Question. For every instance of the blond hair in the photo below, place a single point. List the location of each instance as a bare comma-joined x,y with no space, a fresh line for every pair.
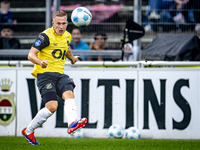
59,14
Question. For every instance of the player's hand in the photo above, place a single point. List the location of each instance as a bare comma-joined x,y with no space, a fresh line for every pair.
44,63
74,60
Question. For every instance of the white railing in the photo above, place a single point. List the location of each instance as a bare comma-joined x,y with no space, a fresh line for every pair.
85,64
9,63
169,64
133,64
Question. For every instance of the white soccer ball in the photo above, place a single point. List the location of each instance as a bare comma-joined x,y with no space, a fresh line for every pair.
78,134
81,17
132,133
115,131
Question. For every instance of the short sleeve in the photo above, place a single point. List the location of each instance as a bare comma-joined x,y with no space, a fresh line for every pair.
41,42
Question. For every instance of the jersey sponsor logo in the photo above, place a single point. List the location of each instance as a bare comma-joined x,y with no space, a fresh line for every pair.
57,53
38,43
7,105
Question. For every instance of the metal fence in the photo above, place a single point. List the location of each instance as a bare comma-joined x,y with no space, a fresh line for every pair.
171,17
30,16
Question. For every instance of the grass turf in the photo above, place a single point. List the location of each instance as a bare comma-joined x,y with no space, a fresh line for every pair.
18,143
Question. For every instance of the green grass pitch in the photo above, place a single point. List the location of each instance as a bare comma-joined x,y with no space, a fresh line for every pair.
19,143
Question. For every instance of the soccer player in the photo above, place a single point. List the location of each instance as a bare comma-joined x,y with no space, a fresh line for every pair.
48,53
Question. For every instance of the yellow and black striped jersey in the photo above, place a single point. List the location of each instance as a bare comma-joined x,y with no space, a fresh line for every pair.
53,48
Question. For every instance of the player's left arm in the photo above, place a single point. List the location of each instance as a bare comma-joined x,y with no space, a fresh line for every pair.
71,57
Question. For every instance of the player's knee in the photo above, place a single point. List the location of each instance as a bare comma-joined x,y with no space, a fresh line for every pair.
52,106
68,95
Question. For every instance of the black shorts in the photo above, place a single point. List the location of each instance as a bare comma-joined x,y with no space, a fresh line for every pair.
54,82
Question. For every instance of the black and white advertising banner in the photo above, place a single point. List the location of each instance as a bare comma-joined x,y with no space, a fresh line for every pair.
162,103
104,96
169,104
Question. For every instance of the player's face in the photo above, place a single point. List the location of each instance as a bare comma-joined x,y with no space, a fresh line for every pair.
60,24
76,35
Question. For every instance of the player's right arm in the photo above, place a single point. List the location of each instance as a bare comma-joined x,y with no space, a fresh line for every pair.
32,56
41,42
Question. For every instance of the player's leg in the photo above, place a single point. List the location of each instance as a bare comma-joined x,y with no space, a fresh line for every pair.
40,118
71,112
48,93
65,89
70,106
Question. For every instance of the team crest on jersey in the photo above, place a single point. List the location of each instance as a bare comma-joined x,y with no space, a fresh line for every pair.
38,43
49,86
7,105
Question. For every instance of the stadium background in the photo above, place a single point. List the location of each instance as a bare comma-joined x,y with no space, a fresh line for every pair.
30,25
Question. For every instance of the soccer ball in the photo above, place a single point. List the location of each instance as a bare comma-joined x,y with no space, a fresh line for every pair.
81,17
78,134
115,131
132,133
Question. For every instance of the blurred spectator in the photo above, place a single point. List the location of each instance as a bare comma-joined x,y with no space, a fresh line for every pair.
180,3
77,43
178,16
6,15
173,11
7,41
158,11
99,44
128,48
157,5
186,7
